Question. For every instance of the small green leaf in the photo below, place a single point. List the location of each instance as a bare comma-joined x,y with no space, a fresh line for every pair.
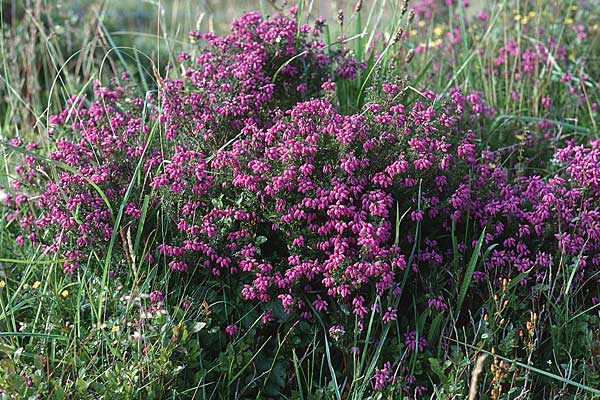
437,369
469,272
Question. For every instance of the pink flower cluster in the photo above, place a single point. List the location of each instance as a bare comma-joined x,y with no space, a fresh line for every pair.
305,205
534,221
239,79
70,203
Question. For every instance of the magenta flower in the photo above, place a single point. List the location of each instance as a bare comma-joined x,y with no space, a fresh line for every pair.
232,330
156,296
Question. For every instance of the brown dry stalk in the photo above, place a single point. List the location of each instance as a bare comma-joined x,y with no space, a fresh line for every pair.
475,376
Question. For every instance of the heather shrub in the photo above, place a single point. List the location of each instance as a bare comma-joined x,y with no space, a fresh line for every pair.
307,211
263,65
309,205
320,215
69,202
539,223
283,217
100,145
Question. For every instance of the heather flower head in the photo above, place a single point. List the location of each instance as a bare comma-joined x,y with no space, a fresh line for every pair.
437,304
415,342
390,315
383,377
232,330
582,165
156,296
336,332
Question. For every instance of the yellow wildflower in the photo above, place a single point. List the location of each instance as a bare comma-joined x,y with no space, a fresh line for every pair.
517,17
115,329
36,284
438,31
65,293
2,284
569,21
